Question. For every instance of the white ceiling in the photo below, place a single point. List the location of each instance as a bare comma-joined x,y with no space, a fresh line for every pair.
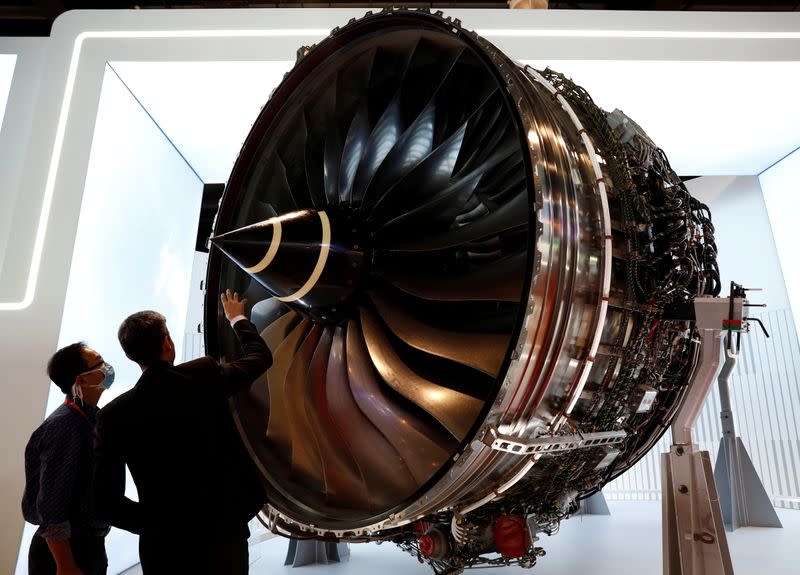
711,118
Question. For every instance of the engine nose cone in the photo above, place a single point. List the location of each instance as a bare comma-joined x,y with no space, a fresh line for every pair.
310,260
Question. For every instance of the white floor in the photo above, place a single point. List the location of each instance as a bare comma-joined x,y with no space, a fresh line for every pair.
627,542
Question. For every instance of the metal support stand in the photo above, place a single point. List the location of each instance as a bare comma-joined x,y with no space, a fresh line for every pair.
594,505
742,497
694,539
313,552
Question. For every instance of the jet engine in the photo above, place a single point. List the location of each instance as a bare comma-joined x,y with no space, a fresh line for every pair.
464,269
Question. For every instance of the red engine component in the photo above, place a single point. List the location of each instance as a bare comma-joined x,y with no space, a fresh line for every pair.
511,535
426,545
434,543
420,527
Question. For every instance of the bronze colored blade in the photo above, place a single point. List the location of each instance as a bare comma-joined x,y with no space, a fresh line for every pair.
482,351
344,485
306,462
273,335
410,435
387,477
279,329
279,425
454,410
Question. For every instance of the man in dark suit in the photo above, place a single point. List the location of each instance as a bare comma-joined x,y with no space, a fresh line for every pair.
197,486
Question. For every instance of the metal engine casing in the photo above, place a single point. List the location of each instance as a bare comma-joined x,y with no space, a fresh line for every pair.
592,370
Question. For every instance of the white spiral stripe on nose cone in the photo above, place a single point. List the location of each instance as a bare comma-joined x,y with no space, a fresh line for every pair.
324,248
273,249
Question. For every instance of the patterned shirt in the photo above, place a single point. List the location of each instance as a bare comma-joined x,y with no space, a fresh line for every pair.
58,474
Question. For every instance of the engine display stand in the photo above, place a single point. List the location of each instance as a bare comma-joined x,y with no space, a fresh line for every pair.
313,552
694,540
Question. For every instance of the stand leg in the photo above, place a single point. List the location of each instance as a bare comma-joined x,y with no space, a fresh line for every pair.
312,552
742,497
594,505
694,538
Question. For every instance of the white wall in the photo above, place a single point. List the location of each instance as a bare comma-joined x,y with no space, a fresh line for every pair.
19,106
50,181
781,186
747,250
134,249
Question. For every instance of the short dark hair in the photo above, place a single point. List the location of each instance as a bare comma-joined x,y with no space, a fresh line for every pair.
142,335
66,365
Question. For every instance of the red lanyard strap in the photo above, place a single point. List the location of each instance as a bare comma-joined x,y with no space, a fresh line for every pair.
74,406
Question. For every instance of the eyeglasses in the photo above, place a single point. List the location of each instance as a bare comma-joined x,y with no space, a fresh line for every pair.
95,366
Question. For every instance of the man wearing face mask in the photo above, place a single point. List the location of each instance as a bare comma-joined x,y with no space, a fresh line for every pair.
58,496
197,486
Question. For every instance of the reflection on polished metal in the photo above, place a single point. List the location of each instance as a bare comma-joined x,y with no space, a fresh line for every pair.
499,262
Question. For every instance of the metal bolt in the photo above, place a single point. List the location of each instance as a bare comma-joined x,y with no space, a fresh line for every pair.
679,451
706,538
683,489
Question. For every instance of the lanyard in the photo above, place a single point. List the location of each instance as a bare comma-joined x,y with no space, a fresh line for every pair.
74,406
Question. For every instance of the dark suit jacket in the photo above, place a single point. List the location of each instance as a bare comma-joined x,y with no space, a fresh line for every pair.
175,432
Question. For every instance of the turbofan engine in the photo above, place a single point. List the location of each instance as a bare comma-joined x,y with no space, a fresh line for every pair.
462,267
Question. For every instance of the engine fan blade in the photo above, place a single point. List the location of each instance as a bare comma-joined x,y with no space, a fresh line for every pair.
421,446
333,153
435,214
279,425
456,411
482,351
387,476
354,147
344,485
259,212
306,462
414,145
482,125
382,139
292,154
498,281
280,328
280,191
430,176
428,70
266,311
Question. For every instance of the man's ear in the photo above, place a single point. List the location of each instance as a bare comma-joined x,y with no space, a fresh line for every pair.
167,346
80,380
